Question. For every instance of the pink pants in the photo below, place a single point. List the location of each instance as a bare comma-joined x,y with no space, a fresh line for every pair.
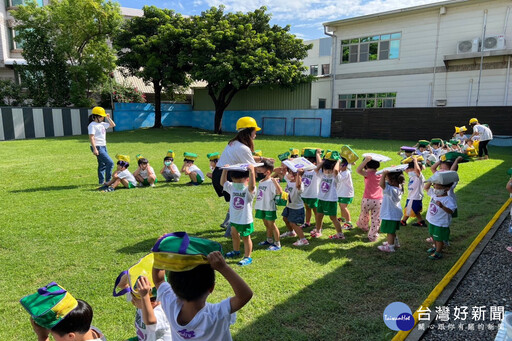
367,206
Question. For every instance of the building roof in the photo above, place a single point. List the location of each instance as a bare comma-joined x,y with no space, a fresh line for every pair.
397,12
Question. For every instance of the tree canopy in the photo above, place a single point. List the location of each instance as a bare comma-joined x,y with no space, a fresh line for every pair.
149,48
231,51
66,49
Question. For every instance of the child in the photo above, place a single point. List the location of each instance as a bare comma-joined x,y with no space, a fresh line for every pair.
293,213
195,174
97,130
150,320
328,171
265,206
214,158
469,149
311,183
391,212
345,192
121,176
241,191
437,145
415,196
144,174
459,134
439,217
424,149
170,171
372,198
184,300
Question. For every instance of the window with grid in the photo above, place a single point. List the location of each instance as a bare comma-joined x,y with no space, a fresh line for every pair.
368,101
14,44
367,49
326,69
14,3
313,70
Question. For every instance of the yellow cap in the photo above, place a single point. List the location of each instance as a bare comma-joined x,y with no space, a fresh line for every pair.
99,111
473,121
246,122
121,157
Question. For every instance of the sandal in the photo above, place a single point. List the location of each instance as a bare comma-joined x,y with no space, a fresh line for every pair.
509,248
435,255
431,250
348,226
337,236
403,222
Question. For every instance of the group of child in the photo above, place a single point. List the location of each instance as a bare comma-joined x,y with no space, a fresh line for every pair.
145,175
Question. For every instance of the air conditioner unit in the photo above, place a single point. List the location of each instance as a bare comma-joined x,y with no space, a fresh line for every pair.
496,42
441,102
468,46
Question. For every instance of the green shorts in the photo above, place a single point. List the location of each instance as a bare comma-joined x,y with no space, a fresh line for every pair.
244,229
146,182
311,202
130,185
329,208
438,233
347,201
389,226
266,215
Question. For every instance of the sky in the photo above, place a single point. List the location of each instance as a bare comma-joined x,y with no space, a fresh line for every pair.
304,16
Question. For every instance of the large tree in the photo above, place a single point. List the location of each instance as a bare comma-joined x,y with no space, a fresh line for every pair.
149,48
231,51
66,49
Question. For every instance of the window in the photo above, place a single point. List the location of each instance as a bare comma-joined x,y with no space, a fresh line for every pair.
14,3
361,101
14,44
365,49
321,103
313,70
325,69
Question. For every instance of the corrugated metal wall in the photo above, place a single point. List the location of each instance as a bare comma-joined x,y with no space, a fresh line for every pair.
260,98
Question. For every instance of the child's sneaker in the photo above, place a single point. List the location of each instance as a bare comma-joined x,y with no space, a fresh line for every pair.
315,233
435,256
245,261
274,248
301,242
265,243
341,220
152,185
289,234
232,254
102,187
337,236
429,240
431,250
109,189
305,226
386,248
348,226
403,222
420,224
397,244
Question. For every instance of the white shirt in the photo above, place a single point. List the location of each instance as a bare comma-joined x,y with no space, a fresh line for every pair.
436,215
99,130
196,169
345,188
294,195
235,153
210,323
161,331
311,182
145,173
415,186
391,209
175,170
328,185
240,204
265,200
128,176
101,338
482,131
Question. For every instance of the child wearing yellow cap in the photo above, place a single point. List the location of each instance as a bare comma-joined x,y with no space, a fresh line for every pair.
170,171
144,174
121,176
195,174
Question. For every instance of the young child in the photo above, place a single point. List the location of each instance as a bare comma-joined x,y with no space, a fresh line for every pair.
436,145
460,134
214,158
265,205
150,320
311,183
242,192
345,192
121,176
194,173
170,171
469,149
424,149
144,174
184,300
293,213
391,212
439,217
372,198
414,204
328,171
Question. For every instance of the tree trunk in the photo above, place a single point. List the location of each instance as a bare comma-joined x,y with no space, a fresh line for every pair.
158,106
219,111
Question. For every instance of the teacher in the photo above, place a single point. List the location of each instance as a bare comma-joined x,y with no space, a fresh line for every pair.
484,134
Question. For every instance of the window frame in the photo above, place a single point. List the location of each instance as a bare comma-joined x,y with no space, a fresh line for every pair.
370,48
313,67
367,100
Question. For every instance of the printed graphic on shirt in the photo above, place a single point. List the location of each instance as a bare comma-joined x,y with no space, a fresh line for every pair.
433,208
326,184
238,201
307,179
260,194
186,334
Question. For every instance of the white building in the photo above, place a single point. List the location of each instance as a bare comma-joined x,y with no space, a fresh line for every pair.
318,63
423,56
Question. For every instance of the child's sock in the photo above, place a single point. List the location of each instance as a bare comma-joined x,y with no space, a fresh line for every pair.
270,240
278,244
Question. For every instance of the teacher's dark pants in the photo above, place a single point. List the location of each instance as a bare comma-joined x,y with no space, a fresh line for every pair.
482,148
216,175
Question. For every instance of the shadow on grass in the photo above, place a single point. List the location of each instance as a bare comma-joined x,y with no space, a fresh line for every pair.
44,189
348,303
142,246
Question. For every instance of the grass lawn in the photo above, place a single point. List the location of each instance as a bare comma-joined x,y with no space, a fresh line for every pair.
56,227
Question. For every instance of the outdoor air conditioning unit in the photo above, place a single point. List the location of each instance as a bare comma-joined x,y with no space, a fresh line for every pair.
496,42
468,46
441,102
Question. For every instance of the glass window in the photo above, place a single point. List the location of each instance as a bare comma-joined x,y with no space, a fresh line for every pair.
396,35
384,50
321,103
345,54
313,70
326,69
373,48
354,41
366,39
363,52
394,49
385,37
354,49
370,100
14,3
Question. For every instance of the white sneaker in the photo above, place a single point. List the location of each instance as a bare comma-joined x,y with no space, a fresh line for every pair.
386,248
152,185
289,234
301,242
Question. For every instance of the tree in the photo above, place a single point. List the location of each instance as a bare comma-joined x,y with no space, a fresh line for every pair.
231,51
65,46
149,48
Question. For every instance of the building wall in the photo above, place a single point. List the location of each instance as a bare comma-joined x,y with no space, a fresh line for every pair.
320,54
412,74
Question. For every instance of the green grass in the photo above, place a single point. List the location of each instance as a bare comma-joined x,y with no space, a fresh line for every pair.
56,227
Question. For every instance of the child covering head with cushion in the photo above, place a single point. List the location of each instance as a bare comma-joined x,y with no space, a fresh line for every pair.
372,198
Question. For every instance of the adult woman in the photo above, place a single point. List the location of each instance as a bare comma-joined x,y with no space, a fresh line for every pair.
239,150
484,134
98,137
